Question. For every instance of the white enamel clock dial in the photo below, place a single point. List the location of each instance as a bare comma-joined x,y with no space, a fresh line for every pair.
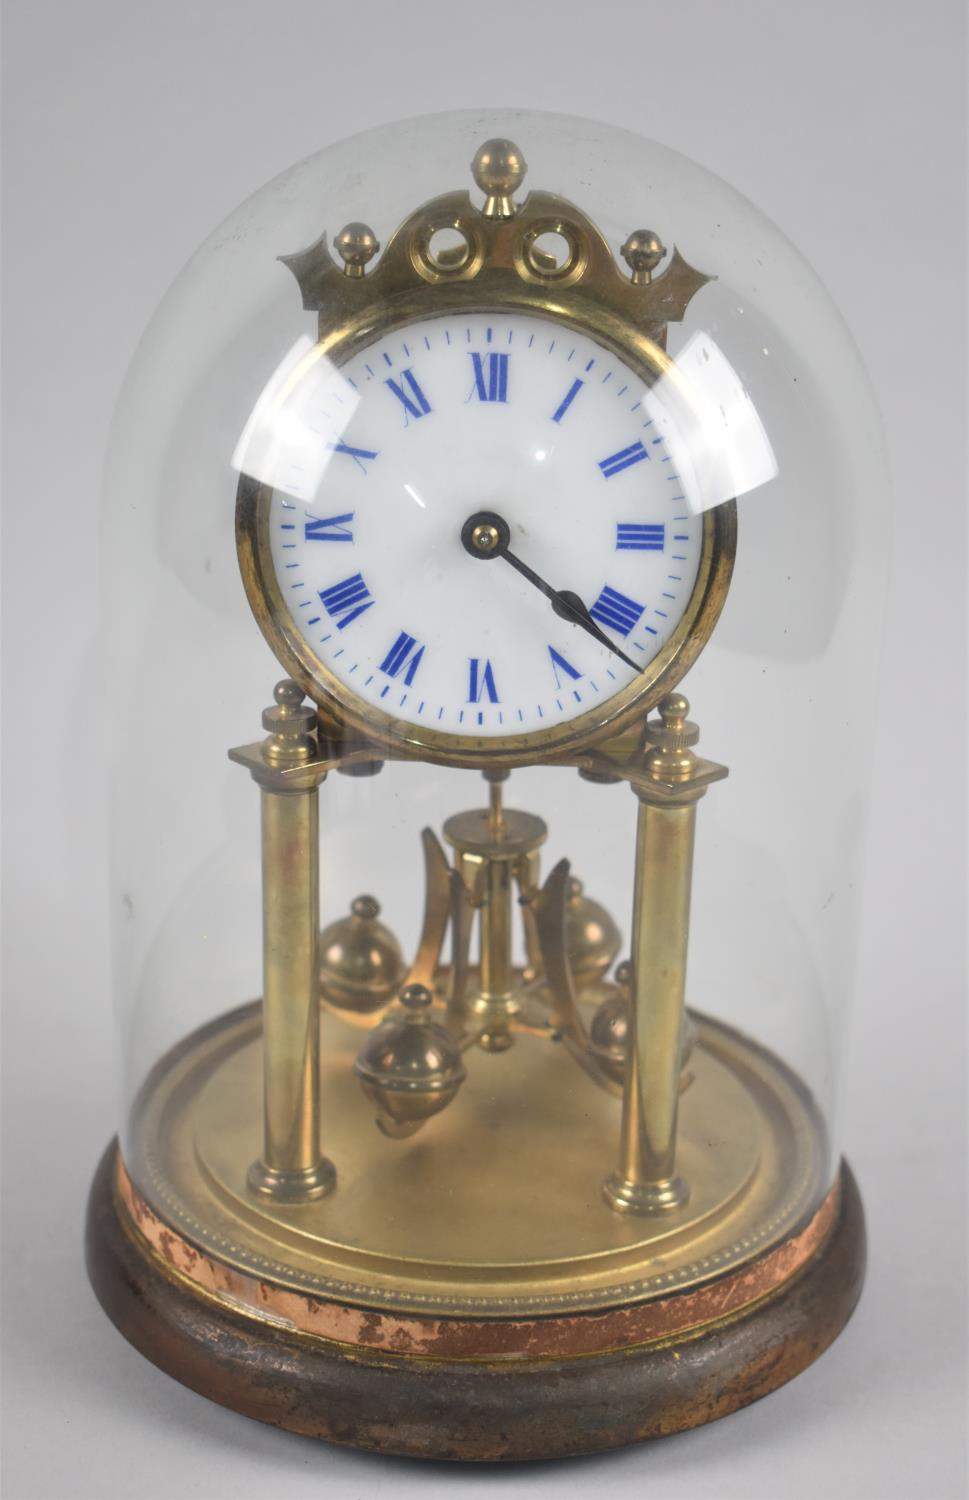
509,414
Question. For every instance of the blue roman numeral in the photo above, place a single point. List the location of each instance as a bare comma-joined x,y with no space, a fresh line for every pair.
615,610
345,602
633,536
329,528
357,454
560,664
413,400
491,376
481,682
567,400
405,655
616,462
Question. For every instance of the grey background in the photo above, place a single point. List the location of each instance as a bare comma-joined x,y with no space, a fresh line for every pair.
131,130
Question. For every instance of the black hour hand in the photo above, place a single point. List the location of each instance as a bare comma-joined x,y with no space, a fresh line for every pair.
486,535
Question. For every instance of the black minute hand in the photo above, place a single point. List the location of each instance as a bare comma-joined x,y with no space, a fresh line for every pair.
567,606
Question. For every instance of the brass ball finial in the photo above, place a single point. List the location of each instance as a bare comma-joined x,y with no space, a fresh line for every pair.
673,710
416,999
288,694
499,170
360,960
642,252
356,244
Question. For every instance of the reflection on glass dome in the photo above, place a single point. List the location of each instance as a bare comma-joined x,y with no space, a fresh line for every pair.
296,425
717,443
697,406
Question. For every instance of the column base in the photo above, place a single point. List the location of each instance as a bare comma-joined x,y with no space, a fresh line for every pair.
290,1186
626,1197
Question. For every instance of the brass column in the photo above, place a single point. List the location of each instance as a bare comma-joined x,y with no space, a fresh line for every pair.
289,772
671,782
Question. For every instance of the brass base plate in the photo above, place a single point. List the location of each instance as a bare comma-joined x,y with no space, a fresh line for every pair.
495,1209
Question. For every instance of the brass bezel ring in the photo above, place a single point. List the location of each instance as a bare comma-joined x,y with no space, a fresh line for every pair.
349,719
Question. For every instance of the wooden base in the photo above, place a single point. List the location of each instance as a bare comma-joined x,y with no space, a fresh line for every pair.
467,1409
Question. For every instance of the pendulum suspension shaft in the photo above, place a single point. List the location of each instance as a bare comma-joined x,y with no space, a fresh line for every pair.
492,848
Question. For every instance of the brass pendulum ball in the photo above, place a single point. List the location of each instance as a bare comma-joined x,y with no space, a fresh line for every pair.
410,1067
592,937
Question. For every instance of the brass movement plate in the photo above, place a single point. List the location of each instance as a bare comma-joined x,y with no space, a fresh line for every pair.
495,1208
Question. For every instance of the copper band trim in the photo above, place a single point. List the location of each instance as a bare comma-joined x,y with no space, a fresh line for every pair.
468,1338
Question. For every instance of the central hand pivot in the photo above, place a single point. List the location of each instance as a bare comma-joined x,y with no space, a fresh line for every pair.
486,535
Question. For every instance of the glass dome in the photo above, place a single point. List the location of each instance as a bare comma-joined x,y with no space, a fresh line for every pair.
662,444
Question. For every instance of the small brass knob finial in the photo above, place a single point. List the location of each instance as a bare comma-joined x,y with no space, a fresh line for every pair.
360,960
416,1000
367,908
673,710
288,694
291,726
642,252
669,756
498,170
356,244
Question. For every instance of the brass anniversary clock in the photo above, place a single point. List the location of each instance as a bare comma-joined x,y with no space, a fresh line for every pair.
467,1114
